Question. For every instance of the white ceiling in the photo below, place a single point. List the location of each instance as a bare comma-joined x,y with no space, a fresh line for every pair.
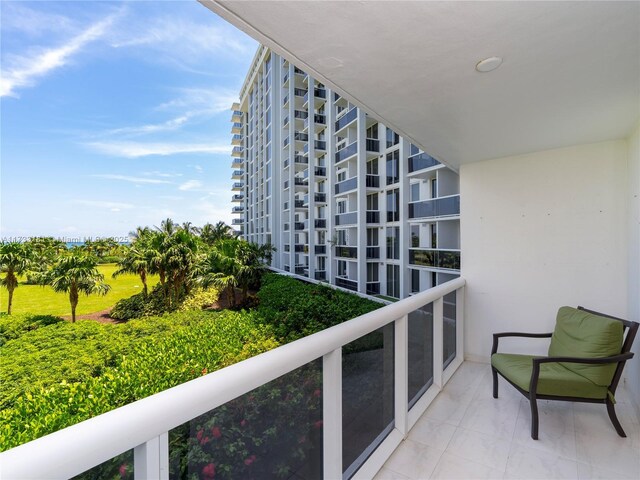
571,71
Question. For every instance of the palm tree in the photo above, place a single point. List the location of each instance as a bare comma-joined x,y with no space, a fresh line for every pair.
74,274
253,262
136,261
211,234
15,260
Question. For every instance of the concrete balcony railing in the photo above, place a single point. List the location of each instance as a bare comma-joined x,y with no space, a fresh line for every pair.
375,381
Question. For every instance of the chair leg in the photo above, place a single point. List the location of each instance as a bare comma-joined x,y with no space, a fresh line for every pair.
494,372
611,410
534,417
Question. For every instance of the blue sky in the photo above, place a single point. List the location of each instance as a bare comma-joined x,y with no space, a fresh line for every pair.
115,114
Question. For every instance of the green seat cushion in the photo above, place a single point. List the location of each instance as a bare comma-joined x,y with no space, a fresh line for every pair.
554,379
584,335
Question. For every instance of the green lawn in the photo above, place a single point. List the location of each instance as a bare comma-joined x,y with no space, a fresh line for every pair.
44,301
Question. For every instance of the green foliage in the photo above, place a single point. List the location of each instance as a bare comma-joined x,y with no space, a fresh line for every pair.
108,259
199,299
205,342
296,309
14,326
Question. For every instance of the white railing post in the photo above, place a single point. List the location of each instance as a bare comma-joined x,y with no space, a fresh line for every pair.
460,323
151,459
401,348
438,338
332,413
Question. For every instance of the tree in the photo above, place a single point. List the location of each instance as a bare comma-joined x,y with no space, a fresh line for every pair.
74,274
137,261
211,234
15,260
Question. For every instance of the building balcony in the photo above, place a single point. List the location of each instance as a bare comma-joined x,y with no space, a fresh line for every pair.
236,140
373,288
344,251
421,161
300,159
299,203
373,216
320,197
320,223
236,127
237,209
301,182
373,253
237,186
238,197
302,270
237,152
372,145
285,142
320,147
350,218
320,249
346,119
236,116
236,162
346,185
435,258
436,207
237,221
300,114
373,181
301,248
347,283
237,174
301,137
320,275
298,226
346,153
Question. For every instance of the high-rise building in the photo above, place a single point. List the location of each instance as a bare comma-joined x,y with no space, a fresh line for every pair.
343,198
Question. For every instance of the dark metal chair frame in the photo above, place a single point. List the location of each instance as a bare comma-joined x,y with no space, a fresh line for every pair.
532,396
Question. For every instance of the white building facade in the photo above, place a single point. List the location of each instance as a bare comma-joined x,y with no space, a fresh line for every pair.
300,155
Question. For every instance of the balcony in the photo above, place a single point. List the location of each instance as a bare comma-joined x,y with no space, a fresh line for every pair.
236,116
237,174
346,119
436,207
346,185
237,186
346,152
298,226
320,223
435,258
421,161
302,270
320,197
237,210
301,248
347,283
237,221
373,216
318,145
285,142
298,203
301,137
300,114
373,253
236,162
300,182
236,127
320,275
320,249
238,197
344,251
372,145
236,140
350,218
237,152
373,181
373,288
320,171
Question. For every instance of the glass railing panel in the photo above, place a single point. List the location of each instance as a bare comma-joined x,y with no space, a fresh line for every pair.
320,249
320,275
373,253
346,119
367,396
346,252
119,467
420,352
373,288
320,197
373,216
347,283
435,258
345,186
320,223
421,161
437,207
347,218
320,145
274,431
449,329
346,152
373,145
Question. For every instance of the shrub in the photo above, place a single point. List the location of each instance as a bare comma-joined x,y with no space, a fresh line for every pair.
108,259
137,306
211,341
13,326
296,309
199,299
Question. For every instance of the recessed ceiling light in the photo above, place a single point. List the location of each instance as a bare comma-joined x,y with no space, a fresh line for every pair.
488,64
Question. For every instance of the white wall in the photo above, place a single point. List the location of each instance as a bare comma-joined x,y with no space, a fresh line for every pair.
539,231
633,195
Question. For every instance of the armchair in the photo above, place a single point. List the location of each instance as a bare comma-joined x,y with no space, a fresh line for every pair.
586,357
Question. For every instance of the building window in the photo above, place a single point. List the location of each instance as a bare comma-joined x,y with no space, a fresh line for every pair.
415,192
415,281
342,237
393,281
373,272
415,236
434,279
393,243
393,208
342,268
413,150
372,202
392,138
320,263
372,131
434,187
372,167
393,166
372,237
434,235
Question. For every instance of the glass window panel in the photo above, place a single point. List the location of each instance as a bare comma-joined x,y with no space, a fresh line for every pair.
274,431
449,328
118,468
420,352
367,396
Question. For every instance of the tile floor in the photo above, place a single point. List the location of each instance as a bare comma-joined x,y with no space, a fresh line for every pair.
467,434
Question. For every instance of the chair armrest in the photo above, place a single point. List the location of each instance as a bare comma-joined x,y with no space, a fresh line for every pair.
535,372
497,336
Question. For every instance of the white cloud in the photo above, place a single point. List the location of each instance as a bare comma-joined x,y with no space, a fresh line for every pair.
126,178
169,125
25,70
201,101
141,149
18,17
190,185
162,174
104,204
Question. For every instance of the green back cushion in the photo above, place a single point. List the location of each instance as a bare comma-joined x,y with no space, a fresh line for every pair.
582,334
